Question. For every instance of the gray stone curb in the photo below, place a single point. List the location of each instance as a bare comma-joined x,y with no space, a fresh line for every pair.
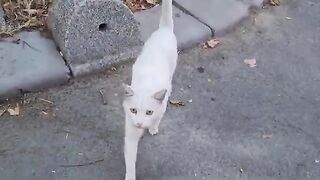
188,30
88,30
107,62
193,25
29,62
217,14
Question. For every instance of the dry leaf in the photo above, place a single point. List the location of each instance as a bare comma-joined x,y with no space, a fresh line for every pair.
267,136
274,2
211,43
153,2
15,111
143,7
177,103
251,62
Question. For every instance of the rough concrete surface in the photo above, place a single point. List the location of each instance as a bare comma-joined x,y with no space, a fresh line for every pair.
30,63
89,30
2,20
211,12
243,123
188,30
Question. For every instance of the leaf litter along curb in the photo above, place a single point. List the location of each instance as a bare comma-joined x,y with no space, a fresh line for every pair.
24,14
138,5
13,111
32,14
274,2
212,43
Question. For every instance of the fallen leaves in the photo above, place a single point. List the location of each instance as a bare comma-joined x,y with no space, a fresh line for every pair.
251,62
137,5
153,2
24,14
13,111
274,2
211,43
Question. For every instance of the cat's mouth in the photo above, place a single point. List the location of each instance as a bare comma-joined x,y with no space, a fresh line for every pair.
139,126
142,127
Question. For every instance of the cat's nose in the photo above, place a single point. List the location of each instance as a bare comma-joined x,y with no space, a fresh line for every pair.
138,125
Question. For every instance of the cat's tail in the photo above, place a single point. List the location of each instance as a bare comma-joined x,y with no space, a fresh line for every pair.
166,16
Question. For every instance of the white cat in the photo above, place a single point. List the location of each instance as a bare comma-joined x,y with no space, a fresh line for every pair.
145,101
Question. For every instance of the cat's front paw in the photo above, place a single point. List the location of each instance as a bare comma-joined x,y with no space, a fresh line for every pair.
153,131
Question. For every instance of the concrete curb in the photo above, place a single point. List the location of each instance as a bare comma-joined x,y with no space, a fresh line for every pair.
191,27
2,20
188,30
218,15
107,62
29,62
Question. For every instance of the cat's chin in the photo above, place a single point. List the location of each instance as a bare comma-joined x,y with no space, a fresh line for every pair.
140,127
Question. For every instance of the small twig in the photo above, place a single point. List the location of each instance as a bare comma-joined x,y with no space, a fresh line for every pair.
177,103
25,43
16,41
104,100
85,164
44,100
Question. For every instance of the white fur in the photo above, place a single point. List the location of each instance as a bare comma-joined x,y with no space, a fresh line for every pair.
150,86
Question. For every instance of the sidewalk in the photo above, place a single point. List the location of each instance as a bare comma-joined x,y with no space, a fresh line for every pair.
242,123
24,69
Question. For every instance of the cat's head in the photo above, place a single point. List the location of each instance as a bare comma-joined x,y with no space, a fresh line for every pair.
141,109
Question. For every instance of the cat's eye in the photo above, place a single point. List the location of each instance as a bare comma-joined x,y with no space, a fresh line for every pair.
149,112
133,110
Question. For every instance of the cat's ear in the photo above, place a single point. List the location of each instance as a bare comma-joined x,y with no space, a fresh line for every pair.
127,90
160,95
